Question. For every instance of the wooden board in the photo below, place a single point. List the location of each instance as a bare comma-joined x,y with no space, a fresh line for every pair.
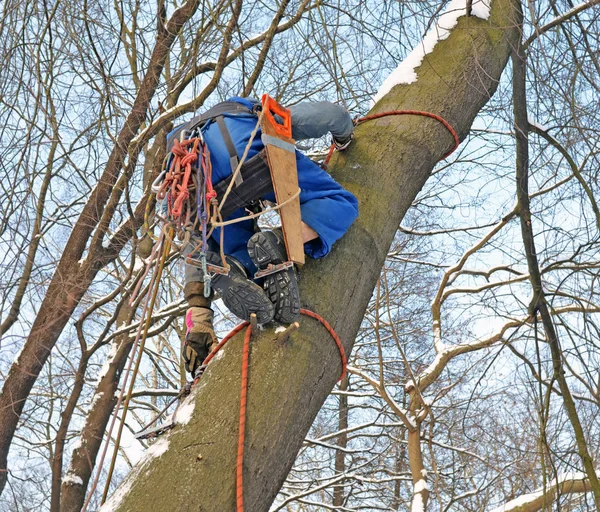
284,174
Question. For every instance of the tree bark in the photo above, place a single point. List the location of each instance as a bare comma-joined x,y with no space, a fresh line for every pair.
72,494
385,168
342,442
542,499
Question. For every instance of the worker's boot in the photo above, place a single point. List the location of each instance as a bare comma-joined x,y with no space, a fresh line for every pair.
266,247
200,338
240,295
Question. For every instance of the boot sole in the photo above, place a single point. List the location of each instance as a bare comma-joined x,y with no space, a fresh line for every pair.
281,287
241,296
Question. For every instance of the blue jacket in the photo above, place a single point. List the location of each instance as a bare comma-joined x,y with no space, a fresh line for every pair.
325,206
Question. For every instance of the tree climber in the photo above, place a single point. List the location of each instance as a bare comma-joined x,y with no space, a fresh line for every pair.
327,211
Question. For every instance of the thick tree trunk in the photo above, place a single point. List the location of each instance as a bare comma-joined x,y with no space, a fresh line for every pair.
386,167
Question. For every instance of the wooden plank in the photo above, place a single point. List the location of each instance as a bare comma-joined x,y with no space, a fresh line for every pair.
284,175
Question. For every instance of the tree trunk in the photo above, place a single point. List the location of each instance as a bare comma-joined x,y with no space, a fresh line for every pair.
72,278
385,168
342,442
90,440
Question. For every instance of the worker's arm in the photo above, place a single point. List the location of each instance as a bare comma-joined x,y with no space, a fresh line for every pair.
314,119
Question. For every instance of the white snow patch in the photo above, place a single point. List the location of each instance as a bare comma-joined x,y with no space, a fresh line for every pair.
185,411
405,73
417,504
537,125
157,449
122,491
97,397
111,356
71,479
77,444
279,329
525,499
421,485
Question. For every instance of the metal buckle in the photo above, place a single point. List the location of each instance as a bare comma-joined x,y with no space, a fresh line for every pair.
273,269
208,270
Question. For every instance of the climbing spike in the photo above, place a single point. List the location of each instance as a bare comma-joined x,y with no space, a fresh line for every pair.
284,335
254,324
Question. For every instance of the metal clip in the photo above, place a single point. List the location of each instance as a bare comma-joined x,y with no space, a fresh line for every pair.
208,270
157,183
272,269
207,277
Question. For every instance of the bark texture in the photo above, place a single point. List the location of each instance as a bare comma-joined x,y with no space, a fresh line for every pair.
385,168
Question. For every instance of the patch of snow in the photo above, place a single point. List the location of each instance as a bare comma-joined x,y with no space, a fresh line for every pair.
111,356
525,499
157,449
421,485
405,73
71,479
77,444
185,411
417,504
537,125
279,329
115,500
97,397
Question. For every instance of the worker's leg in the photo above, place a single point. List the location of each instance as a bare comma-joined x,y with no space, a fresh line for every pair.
314,119
327,212
240,295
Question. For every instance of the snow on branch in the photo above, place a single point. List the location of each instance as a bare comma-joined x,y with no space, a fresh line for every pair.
405,73
569,483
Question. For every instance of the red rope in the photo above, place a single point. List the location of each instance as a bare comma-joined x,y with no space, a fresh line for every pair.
446,124
239,467
333,334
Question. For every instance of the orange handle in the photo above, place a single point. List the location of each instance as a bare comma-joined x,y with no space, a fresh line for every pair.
270,107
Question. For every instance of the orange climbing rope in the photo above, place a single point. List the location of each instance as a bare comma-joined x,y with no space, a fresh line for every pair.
371,117
239,467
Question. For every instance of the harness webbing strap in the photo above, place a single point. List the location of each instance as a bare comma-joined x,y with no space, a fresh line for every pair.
233,157
225,107
256,176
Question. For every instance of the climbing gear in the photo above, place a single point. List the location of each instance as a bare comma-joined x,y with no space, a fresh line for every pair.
281,154
162,247
240,295
267,250
200,337
379,115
